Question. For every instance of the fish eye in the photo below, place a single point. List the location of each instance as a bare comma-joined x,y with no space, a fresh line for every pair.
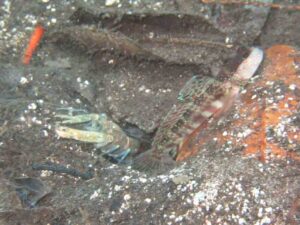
173,153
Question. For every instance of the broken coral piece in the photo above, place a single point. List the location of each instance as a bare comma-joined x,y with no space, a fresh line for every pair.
255,3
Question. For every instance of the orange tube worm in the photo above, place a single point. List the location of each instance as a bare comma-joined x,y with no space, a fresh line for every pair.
33,43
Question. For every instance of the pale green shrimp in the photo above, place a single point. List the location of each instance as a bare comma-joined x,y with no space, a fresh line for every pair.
97,129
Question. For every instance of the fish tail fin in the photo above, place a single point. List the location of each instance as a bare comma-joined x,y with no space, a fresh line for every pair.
249,66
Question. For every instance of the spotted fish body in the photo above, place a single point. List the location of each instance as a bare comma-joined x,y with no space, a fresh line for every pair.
201,100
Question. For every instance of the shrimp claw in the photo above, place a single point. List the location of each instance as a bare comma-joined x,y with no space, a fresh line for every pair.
98,129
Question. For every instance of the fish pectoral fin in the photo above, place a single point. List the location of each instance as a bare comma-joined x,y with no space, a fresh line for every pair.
147,162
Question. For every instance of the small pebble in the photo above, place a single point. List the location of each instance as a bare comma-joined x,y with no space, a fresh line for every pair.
142,88
23,80
148,200
127,197
253,97
53,20
266,220
292,87
45,133
111,2
143,180
32,106
181,179
151,35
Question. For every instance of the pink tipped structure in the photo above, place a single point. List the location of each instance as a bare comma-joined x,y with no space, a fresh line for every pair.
249,66
202,99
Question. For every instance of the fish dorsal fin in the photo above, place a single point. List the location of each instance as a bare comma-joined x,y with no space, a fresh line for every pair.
194,87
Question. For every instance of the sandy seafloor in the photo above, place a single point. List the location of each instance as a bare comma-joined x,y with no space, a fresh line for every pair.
72,69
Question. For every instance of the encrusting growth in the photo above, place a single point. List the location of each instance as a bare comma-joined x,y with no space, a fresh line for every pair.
277,111
267,125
